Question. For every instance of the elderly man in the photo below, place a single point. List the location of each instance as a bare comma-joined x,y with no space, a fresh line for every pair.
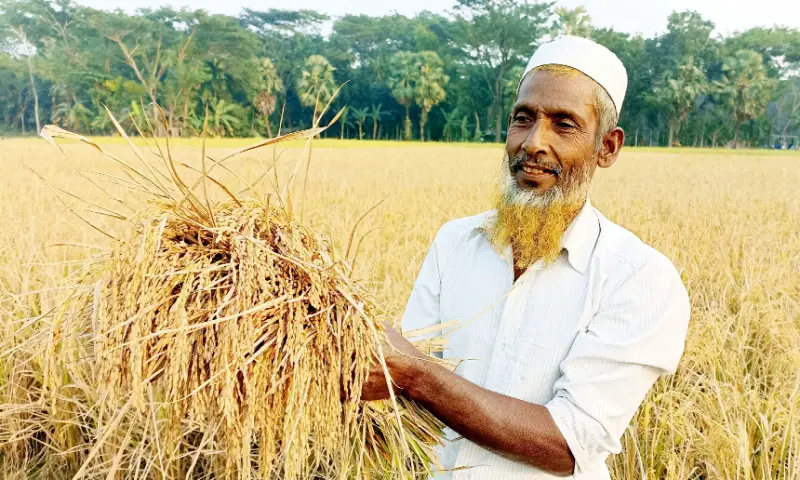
567,319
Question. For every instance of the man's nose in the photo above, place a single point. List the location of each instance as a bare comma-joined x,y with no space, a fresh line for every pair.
536,142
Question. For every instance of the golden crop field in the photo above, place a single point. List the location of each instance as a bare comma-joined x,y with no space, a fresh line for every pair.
730,221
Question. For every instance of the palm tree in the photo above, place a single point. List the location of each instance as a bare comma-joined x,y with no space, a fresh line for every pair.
403,72
267,98
451,120
316,85
73,116
464,131
745,87
572,22
360,116
678,95
223,119
429,86
375,114
344,121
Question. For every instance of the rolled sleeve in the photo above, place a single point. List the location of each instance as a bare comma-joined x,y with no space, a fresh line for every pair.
637,335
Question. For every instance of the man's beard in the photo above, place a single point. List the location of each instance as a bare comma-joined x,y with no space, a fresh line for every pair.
532,223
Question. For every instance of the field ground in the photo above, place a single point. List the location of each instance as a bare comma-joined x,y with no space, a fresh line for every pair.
351,143
729,220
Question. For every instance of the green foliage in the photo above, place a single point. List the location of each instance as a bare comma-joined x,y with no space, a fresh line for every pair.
678,94
344,121
360,116
429,86
745,87
64,62
417,78
316,86
451,121
403,73
787,106
269,86
574,21
375,115
496,35
779,46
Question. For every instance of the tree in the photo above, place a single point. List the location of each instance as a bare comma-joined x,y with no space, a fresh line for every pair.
288,37
429,88
143,41
73,60
632,51
375,115
745,88
688,36
360,116
73,116
451,120
344,121
572,22
14,92
267,98
230,56
316,86
224,118
790,99
182,82
678,63
497,34
19,18
368,43
23,38
464,131
779,47
403,71
677,96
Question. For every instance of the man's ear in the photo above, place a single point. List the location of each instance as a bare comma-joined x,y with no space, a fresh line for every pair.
609,150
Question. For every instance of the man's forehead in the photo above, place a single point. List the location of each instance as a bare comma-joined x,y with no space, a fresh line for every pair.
574,91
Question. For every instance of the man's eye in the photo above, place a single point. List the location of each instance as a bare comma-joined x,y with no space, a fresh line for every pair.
565,125
521,118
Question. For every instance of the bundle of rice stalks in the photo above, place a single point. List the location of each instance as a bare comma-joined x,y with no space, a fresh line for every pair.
214,340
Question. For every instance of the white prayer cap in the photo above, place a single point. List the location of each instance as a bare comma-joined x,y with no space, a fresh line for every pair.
588,57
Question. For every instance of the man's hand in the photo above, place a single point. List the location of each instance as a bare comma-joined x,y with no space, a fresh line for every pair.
520,430
402,361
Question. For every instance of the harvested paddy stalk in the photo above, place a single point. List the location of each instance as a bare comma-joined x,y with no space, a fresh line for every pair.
216,340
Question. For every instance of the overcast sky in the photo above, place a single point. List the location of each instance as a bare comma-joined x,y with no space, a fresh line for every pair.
634,16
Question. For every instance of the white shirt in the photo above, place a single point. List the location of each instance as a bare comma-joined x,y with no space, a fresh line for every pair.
586,336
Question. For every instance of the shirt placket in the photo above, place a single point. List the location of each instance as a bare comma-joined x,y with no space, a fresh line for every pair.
514,313
498,377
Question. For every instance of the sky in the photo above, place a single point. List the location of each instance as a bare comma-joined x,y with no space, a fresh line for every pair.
647,17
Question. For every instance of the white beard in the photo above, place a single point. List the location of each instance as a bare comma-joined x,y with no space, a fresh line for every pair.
573,191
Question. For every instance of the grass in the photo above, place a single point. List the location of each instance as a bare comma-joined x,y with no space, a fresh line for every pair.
730,221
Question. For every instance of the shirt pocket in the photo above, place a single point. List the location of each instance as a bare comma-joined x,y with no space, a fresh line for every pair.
534,371
554,325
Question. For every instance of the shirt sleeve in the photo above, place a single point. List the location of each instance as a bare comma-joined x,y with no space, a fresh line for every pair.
422,310
637,335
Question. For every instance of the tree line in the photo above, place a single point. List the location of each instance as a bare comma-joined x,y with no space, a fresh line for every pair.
448,77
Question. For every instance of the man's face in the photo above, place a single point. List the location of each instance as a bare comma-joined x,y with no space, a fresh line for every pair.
551,134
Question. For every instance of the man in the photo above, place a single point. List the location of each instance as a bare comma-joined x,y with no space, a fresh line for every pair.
567,319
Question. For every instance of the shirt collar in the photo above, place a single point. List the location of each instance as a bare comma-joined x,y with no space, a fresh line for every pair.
580,237
578,240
